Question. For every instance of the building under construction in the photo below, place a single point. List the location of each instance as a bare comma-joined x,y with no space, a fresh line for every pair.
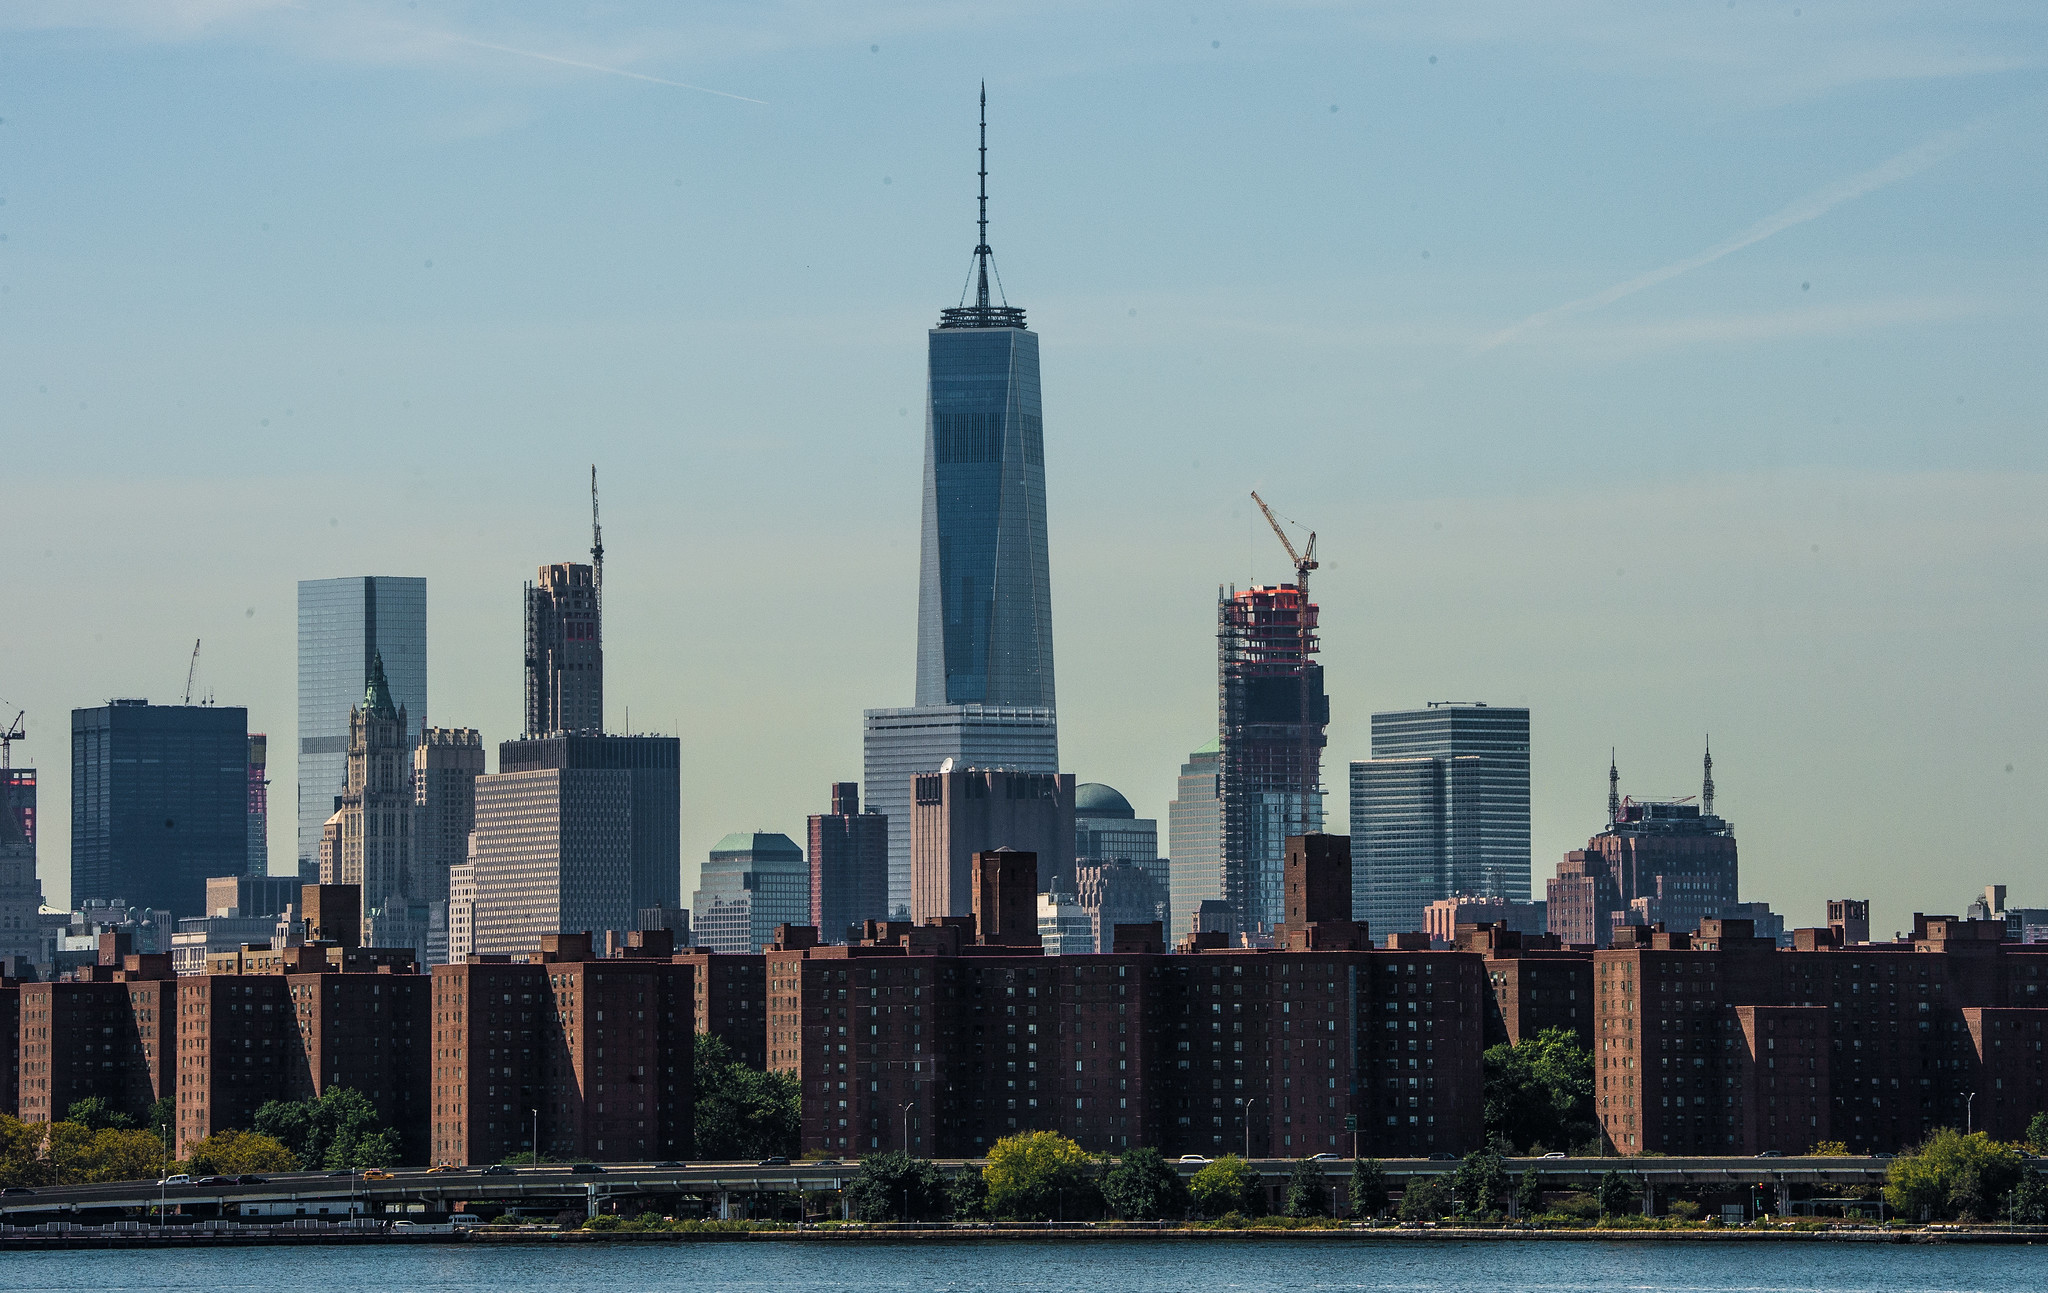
1273,713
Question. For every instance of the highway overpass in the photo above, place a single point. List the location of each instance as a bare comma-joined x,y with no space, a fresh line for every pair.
317,1194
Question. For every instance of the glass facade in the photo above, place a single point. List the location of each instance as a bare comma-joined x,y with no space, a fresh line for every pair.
900,743
1194,839
1440,810
751,884
343,625
159,802
984,623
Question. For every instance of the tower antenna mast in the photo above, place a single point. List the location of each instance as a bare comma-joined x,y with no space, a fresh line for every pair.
596,553
1613,789
981,250
1707,781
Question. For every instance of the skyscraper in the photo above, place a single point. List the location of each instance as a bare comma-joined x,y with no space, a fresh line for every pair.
343,625
445,766
1672,863
654,810
1441,810
1107,830
984,611
552,854
964,812
1272,719
259,804
753,882
849,865
1194,840
159,802
564,652
21,892
377,807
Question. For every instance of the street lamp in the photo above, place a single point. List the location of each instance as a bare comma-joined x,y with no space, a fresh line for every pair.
906,1153
536,1135
1248,1127
1970,1113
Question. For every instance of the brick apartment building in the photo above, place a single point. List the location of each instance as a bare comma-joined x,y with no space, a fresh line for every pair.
110,1034
730,991
932,1039
1718,1043
589,1057
1537,983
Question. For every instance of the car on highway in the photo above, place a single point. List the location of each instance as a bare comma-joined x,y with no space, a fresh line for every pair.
777,1160
1443,1158
247,1179
215,1180
586,1169
375,1174
1772,1153
825,1162
17,1189
669,1166
442,1167
1324,1157
497,1169
1555,1153
177,1178
1194,1159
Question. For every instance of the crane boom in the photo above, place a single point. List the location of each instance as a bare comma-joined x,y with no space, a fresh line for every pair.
1303,561
192,671
14,732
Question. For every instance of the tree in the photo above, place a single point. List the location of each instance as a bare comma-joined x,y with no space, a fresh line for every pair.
75,1154
230,1152
741,1112
1426,1198
1617,1195
94,1112
1144,1187
968,1194
1829,1149
340,1129
2037,1132
1540,1092
1228,1185
896,1187
1368,1187
21,1159
2028,1203
1308,1190
1529,1193
1479,1181
1950,1175
1040,1176
163,1121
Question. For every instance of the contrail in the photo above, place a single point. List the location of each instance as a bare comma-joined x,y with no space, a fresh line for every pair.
599,67
1811,207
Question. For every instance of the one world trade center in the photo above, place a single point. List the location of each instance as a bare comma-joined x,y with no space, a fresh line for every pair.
984,607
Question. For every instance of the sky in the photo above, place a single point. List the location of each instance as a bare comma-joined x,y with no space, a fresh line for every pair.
1667,369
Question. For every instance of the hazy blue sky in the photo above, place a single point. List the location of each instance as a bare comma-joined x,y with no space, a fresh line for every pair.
1666,368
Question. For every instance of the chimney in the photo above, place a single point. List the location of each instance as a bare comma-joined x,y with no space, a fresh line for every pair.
1006,898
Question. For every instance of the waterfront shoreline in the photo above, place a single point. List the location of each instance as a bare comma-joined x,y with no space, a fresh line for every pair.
94,1238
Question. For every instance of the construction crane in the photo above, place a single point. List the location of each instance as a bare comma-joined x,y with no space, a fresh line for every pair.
15,732
1304,562
192,671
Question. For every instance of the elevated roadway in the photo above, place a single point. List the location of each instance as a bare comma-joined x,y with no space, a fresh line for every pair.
305,1193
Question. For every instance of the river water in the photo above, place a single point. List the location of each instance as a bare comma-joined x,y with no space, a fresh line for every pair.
1288,1267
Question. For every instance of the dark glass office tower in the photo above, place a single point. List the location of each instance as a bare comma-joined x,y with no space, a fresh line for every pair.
159,802
984,606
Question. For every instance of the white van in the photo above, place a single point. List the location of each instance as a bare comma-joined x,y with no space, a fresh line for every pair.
177,1178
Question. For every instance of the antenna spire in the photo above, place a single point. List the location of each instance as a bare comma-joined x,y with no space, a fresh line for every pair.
981,314
981,249
1613,789
1707,784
